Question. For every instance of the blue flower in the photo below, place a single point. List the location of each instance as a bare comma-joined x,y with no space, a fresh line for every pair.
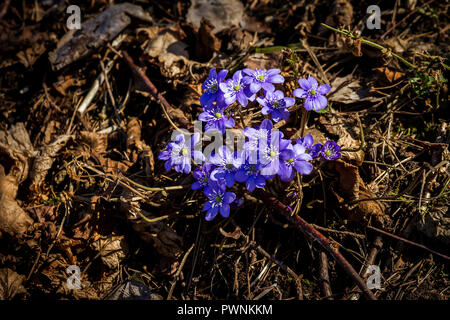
219,200
179,153
202,175
256,136
330,150
235,89
307,143
211,85
260,78
226,165
297,160
251,175
272,156
215,118
314,94
276,104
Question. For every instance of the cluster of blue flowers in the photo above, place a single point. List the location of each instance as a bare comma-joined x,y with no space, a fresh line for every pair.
265,152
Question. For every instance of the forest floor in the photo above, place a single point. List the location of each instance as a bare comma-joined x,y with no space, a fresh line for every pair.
85,113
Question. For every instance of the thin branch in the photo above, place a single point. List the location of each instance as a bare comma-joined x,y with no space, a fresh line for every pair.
326,244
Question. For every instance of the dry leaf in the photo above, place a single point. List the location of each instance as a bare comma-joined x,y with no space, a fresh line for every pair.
207,43
11,284
112,250
349,90
44,160
388,75
15,150
352,187
221,13
168,49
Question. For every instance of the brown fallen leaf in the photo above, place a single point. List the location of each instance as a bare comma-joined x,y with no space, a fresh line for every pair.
352,188
11,284
222,13
207,43
112,249
165,46
15,150
44,160
389,76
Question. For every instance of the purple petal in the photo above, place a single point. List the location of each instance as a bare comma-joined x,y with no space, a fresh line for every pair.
300,93
324,89
266,110
164,155
168,165
229,197
309,103
304,84
255,87
278,94
260,181
272,72
221,76
196,185
242,99
211,214
225,210
313,82
322,101
240,176
249,72
276,78
229,180
303,167
268,87
289,101
250,184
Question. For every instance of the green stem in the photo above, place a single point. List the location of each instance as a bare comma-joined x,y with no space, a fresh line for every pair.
370,43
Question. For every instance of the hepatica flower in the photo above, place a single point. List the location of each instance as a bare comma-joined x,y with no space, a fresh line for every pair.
309,148
255,136
202,175
219,201
226,165
273,155
211,85
299,161
251,175
216,119
276,103
235,89
330,150
314,94
257,79
179,153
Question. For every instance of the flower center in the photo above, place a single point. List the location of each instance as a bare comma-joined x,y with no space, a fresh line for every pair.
328,153
313,92
276,104
260,77
218,199
213,88
291,160
184,151
229,166
236,87
272,153
218,115
205,179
